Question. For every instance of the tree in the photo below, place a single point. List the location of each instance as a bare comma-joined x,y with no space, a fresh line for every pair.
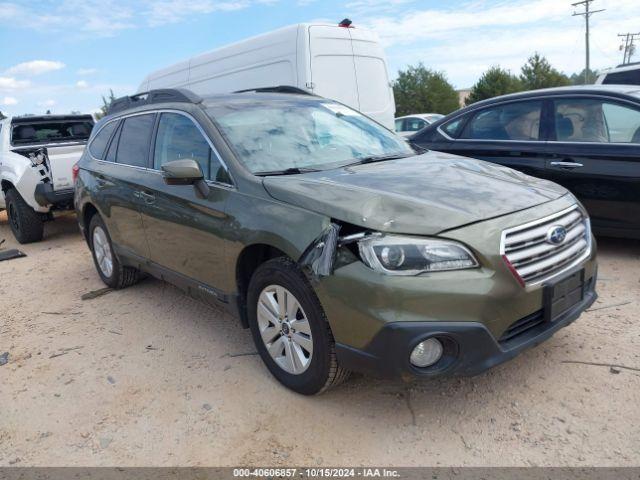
106,103
578,78
494,82
421,90
2,117
538,73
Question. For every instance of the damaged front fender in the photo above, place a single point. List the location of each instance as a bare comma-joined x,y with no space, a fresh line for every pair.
320,257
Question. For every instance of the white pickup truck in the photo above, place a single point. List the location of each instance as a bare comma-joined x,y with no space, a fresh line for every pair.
37,155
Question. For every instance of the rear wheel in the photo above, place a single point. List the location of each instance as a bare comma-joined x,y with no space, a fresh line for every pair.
26,224
111,271
290,329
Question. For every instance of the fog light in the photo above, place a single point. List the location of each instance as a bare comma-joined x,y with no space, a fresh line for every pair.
426,353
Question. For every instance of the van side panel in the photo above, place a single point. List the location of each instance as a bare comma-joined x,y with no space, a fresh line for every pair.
171,77
332,67
374,91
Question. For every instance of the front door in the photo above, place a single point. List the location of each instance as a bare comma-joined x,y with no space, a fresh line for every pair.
186,232
509,134
596,155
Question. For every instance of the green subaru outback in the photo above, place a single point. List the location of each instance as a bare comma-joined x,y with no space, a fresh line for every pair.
340,246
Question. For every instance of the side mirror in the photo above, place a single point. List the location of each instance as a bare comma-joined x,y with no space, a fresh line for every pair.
182,172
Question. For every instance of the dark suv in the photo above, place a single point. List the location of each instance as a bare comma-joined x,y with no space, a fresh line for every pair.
340,246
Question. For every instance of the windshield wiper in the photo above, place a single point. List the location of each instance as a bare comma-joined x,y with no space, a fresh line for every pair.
377,158
286,171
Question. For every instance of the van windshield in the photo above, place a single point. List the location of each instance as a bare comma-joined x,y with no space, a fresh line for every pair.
283,134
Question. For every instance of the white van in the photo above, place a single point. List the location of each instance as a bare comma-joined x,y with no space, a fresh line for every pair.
335,61
628,74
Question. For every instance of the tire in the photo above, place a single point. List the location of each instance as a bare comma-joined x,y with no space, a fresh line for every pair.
282,278
26,224
111,271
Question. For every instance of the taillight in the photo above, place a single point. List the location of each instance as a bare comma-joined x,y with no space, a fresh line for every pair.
74,172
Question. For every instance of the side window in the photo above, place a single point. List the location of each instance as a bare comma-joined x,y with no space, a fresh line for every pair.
597,121
415,124
399,124
179,138
113,146
135,135
99,142
518,121
453,128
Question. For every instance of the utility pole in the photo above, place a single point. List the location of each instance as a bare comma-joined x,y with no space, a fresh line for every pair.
586,14
629,46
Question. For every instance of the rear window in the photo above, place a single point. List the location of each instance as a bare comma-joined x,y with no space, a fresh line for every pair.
50,132
629,77
133,146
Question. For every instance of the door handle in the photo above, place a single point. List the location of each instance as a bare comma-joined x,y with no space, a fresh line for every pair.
568,165
148,198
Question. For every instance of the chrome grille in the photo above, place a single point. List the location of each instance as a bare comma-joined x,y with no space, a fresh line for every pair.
535,258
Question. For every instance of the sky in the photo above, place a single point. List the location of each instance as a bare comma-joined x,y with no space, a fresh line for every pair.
63,55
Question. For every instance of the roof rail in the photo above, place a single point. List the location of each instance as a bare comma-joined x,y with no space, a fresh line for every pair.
163,95
276,89
628,64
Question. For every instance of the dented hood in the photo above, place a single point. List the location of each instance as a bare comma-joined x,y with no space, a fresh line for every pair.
422,195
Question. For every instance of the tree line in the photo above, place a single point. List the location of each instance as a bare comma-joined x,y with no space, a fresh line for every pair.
421,90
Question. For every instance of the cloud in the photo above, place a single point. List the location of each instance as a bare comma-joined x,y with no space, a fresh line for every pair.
82,84
10,83
6,101
35,67
47,103
106,18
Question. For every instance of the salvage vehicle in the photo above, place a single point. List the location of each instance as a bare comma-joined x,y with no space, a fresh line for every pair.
37,154
337,61
586,138
338,245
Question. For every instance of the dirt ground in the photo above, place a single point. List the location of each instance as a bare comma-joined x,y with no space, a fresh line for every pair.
147,376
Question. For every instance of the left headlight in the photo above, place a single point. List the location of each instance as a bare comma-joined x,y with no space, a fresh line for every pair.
399,255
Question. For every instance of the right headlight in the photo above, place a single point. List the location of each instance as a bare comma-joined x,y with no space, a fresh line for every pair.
400,255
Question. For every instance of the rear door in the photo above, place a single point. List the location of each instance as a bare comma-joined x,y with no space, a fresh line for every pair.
595,153
510,134
119,174
333,73
185,231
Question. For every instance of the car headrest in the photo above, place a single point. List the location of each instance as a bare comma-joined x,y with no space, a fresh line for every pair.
25,132
564,127
79,130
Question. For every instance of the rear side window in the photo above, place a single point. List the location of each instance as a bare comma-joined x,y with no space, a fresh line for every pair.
133,146
178,138
518,121
630,77
597,121
415,124
99,143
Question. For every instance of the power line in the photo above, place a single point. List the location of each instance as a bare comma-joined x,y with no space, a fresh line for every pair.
629,46
587,15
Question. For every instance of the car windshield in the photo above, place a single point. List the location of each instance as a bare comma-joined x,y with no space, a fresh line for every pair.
50,132
289,134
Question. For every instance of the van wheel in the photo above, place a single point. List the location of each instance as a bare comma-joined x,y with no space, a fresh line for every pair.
26,224
111,271
290,329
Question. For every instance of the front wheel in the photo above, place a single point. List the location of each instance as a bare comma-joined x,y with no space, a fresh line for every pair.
290,329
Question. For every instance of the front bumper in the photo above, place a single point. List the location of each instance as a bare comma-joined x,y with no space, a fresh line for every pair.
471,349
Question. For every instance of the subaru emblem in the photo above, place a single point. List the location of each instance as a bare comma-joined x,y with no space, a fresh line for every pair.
556,235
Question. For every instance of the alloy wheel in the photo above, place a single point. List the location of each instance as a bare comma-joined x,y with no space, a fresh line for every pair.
285,330
102,251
